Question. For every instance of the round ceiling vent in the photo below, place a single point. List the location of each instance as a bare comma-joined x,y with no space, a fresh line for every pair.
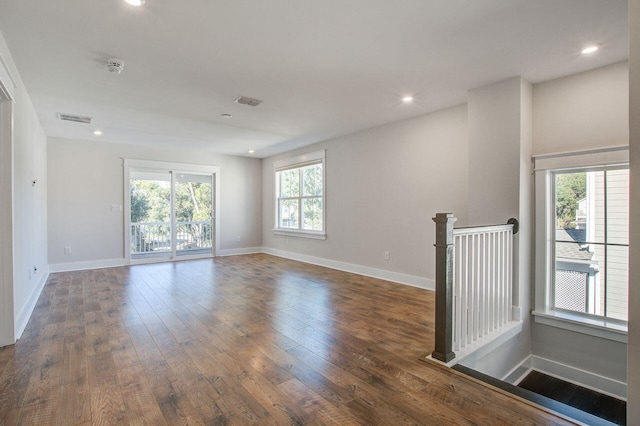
115,65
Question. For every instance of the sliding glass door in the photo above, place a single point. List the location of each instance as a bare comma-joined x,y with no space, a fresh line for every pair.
170,213
194,214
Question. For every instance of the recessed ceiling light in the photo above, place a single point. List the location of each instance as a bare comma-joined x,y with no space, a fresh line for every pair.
226,115
97,132
136,3
251,151
407,99
589,49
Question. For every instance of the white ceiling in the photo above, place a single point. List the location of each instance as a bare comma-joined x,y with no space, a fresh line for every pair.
323,68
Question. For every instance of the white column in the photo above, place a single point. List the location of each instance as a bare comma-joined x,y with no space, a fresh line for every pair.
501,186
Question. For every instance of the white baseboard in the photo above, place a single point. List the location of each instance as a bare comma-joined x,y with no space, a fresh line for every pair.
328,263
382,274
571,374
25,313
238,251
112,263
90,264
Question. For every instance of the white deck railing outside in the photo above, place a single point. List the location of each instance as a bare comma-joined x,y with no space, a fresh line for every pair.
149,237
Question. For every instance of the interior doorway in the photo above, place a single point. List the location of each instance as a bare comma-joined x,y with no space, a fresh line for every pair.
170,211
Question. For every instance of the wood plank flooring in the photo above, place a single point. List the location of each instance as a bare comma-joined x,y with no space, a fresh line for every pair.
249,339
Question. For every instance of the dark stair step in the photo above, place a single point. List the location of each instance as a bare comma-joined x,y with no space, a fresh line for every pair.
551,404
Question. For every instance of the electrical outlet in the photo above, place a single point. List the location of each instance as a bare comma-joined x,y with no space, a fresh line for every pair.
238,238
387,255
67,250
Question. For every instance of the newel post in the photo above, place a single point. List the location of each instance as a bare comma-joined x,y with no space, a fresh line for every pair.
444,287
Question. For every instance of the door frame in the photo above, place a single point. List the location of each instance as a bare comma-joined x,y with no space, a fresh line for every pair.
7,317
170,167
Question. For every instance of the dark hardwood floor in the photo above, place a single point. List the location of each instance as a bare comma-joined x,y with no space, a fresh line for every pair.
237,340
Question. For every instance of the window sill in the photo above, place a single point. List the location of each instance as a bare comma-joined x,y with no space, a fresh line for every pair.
592,326
316,235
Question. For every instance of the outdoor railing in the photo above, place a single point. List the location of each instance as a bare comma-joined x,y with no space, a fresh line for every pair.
474,268
148,237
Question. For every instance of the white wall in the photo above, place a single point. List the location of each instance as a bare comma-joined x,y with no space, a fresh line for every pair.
593,354
582,111
383,187
29,202
494,147
86,177
633,390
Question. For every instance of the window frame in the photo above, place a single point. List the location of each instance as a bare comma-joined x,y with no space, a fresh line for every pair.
297,162
546,167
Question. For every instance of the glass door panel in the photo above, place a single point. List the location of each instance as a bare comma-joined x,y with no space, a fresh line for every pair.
150,214
193,207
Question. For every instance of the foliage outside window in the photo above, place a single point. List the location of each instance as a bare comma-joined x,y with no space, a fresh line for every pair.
300,195
591,246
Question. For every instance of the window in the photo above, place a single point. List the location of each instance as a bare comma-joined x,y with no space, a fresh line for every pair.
300,191
592,242
582,241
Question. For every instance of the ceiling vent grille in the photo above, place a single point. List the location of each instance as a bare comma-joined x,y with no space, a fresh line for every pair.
248,101
75,118
115,65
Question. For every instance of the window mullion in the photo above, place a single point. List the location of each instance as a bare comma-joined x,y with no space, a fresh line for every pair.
300,192
552,247
606,246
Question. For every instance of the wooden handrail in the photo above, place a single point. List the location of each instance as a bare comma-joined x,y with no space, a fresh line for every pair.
499,288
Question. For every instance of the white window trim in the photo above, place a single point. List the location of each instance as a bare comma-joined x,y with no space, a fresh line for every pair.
544,237
598,327
298,161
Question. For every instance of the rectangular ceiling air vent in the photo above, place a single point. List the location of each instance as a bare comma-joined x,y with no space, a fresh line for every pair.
74,118
248,101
